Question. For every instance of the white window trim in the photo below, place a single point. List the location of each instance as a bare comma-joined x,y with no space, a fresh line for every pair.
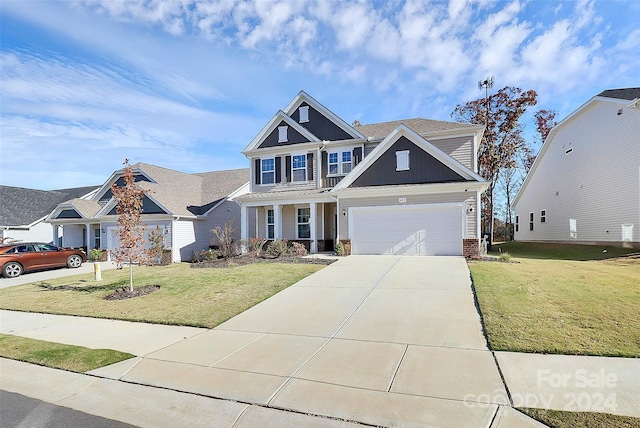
400,155
262,183
532,218
283,134
343,163
517,223
304,117
266,219
339,163
298,223
306,178
543,217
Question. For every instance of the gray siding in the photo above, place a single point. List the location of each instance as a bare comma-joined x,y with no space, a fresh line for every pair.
462,197
320,126
293,137
460,148
424,168
597,183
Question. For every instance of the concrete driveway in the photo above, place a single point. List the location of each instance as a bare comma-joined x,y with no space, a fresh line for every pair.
381,340
44,275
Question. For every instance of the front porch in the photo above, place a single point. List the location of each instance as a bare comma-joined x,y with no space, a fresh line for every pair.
311,223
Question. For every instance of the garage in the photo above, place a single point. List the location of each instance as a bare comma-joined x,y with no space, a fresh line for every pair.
430,230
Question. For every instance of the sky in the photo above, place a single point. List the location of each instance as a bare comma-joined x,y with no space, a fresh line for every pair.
187,85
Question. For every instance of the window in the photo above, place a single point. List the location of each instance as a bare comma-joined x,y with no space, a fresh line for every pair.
268,171
96,238
543,216
282,134
346,162
517,223
271,224
304,114
46,247
304,227
299,168
573,228
531,221
402,160
333,164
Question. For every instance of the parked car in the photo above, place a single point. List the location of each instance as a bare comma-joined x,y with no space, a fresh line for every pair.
20,257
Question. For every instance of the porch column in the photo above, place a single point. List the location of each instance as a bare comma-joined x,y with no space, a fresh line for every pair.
277,220
55,235
87,233
244,223
312,221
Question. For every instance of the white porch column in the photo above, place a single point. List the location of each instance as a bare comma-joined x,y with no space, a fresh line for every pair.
87,232
244,222
55,234
277,220
312,220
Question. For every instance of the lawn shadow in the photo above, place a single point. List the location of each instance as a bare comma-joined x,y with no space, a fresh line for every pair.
557,251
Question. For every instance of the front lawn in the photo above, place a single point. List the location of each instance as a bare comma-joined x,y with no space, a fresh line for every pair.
560,419
561,300
193,297
57,355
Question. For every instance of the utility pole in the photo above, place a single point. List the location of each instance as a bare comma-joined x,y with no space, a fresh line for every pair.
487,84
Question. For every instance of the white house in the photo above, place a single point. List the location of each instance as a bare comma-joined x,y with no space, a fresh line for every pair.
584,186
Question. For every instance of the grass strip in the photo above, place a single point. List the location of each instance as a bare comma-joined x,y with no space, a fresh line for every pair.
561,419
57,355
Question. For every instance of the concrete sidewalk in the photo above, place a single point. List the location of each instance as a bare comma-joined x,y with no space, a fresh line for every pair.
380,340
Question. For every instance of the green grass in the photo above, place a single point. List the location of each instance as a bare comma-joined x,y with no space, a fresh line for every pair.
547,302
560,419
67,357
552,251
194,297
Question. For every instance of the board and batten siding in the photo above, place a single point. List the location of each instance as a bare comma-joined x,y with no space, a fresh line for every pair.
590,172
466,198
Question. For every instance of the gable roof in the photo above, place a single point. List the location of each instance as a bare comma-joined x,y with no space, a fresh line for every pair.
279,117
418,125
404,131
303,97
22,207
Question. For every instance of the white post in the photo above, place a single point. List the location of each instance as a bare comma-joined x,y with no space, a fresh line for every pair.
277,219
244,226
88,237
55,235
312,220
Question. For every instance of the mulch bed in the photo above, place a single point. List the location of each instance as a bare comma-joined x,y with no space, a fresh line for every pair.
250,259
124,293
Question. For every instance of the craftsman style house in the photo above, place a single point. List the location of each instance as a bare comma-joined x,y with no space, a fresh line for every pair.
402,187
584,186
184,206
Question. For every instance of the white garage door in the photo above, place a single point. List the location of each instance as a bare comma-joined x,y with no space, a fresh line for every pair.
433,230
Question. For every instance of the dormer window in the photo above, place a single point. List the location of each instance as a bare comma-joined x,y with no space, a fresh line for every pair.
303,112
282,134
402,160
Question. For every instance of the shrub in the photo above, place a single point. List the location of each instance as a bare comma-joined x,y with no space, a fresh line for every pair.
95,254
340,249
256,245
206,255
505,257
156,249
223,238
298,249
278,248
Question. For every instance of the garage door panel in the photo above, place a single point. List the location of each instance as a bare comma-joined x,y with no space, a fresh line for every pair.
410,230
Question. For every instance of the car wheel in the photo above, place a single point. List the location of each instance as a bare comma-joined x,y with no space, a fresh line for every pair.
12,270
74,261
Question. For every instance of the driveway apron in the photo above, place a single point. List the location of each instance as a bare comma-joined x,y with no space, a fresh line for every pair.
382,340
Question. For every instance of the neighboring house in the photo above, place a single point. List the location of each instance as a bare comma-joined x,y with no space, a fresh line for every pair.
23,211
401,187
584,186
185,207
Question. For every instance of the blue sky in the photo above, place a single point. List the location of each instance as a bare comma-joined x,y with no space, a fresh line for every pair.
186,85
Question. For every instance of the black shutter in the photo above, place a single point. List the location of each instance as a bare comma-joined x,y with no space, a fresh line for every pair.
309,166
287,171
257,168
278,162
357,155
325,163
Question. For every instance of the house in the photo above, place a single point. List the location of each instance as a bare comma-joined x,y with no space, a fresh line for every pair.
584,186
23,211
402,187
184,206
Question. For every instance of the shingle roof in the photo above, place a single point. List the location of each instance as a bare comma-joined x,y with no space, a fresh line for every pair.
20,206
85,207
623,93
189,194
418,125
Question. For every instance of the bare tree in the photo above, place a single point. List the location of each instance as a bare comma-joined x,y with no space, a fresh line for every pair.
130,227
